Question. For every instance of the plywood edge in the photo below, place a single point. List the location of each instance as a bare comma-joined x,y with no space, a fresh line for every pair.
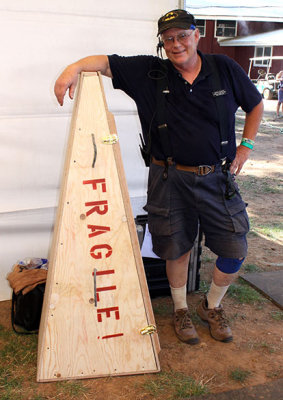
154,371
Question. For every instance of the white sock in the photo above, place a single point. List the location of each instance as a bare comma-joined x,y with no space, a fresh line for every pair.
179,297
215,295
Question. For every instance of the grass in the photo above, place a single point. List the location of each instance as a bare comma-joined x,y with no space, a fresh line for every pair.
38,397
260,185
10,386
20,351
235,316
277,315
176,385
274,374
239,374
163,309
250,268
207,259
18,355
242,293
273,230
203,287
73,389
262,346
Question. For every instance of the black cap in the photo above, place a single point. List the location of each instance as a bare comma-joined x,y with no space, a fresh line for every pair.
176,19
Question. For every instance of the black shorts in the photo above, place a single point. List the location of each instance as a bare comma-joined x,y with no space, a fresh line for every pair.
179,205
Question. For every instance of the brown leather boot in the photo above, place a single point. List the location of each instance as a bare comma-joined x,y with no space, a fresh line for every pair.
218,326
184,327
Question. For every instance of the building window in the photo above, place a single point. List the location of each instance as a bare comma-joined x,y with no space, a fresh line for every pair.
225,28
262,52
201,26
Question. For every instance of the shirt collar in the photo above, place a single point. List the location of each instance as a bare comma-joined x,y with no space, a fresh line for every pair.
204,71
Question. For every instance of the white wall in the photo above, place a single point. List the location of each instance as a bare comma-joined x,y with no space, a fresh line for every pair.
38,39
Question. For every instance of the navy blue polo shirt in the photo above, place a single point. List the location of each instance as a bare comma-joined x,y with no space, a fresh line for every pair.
191,110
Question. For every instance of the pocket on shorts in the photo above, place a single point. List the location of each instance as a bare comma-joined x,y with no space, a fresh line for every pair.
158,202
237,211
158,221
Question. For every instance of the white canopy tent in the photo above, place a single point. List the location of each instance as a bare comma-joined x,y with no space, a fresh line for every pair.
255,10
38,40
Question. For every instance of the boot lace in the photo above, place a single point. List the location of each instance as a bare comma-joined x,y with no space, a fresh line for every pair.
219,316
183,317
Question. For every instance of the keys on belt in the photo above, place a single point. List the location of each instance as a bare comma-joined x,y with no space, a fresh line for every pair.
200,170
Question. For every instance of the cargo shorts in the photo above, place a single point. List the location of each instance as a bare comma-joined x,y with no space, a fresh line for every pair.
185,203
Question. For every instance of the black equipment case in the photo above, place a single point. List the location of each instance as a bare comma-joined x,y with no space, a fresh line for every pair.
155,269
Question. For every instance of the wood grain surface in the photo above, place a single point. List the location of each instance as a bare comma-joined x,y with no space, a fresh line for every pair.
86,332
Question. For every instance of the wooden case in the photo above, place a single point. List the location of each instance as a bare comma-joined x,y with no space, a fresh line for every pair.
97,317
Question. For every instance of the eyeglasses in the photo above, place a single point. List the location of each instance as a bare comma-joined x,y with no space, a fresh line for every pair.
181,38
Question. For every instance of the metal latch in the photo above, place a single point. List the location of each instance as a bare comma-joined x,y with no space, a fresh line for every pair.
148,330
110,139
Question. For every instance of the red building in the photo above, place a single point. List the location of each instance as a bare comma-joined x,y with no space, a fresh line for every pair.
257,32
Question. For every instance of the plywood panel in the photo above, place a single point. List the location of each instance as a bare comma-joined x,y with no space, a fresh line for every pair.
96,299
269,283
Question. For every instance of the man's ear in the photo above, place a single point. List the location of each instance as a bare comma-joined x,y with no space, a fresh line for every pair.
197,35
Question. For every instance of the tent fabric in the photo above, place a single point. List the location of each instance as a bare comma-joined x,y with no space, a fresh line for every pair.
38,39
261,10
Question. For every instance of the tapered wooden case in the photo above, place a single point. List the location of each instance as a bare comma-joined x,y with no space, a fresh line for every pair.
97,317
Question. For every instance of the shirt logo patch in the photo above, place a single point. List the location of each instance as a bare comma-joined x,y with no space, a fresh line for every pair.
219,93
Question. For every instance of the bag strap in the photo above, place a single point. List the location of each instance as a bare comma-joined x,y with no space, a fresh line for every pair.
13,319
219,97
158,72
162,89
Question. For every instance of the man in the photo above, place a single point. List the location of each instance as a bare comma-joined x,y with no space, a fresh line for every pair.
189,179
279,77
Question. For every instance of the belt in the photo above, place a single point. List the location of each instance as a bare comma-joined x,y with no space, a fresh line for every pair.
199,170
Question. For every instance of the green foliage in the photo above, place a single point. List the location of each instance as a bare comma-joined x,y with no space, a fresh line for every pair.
251,268
262,346
244,294
162,308
207,259
176,384
4,333
277,315
18,355
204,287
72,388
239,374
9,384
272,230
259,185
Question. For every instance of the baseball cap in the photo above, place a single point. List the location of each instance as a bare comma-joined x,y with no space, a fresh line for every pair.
176,19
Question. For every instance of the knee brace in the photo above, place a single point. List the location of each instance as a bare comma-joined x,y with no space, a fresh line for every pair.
229,265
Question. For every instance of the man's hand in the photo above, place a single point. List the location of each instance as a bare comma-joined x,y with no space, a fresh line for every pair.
242,154
69,77
67,80
251,126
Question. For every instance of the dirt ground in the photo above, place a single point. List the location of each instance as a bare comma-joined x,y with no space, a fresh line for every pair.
258,335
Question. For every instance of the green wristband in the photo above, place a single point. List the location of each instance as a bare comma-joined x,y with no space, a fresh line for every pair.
247,140
246,144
